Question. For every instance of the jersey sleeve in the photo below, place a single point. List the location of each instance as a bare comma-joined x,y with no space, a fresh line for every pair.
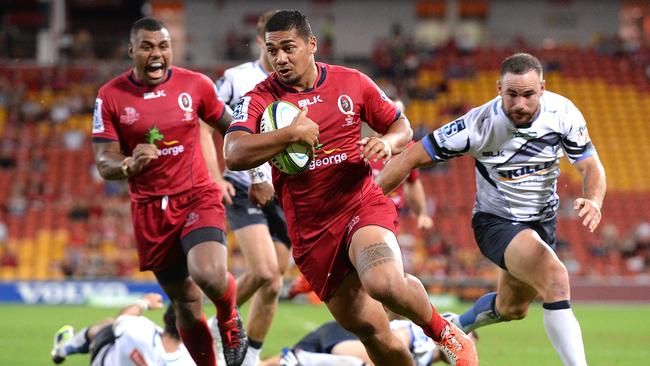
378,110
225,88
451,140
103,119
575,139
247,113
413,176
212,107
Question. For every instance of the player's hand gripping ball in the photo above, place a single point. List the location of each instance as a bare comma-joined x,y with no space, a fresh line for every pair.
297,156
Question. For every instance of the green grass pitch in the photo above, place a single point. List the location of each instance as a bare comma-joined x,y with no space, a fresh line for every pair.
613,334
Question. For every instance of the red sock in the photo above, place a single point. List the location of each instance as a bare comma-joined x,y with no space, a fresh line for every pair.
199,343
227,304
433,328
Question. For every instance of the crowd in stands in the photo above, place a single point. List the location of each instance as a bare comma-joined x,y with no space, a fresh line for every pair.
50,184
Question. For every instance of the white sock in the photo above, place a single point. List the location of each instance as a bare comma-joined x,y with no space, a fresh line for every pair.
564,332
252,357
326,359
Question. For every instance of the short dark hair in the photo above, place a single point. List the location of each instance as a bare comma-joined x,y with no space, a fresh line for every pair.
170,322
262,20
285,20
520,63
147,23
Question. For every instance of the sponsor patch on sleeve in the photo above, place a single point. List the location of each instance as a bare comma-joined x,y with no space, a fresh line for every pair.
98,121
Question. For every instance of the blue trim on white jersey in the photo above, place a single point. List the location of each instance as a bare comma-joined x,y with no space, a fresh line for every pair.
586,154
428,146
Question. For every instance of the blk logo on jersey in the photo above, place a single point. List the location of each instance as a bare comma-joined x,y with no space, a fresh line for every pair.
130,116
185,102
311,101
153,95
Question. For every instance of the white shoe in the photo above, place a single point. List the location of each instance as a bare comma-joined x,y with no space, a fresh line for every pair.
60,337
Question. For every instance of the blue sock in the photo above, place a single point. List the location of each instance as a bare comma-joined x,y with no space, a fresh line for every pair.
79,343
483,312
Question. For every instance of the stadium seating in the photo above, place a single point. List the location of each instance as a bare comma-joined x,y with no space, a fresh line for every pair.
51,183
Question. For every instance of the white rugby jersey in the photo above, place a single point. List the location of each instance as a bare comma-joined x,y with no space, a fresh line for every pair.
421,346
234,84
138,342
517,168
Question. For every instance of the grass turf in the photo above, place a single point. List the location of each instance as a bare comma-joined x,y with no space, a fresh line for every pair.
613,334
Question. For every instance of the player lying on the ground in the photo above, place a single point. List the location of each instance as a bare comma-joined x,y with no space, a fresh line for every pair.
129,339
331,345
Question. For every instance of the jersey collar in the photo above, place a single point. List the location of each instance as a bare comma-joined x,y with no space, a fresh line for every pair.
320,79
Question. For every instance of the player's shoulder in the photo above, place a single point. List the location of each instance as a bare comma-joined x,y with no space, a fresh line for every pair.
483,113
118,82
184,73
246,67
555,102
336,71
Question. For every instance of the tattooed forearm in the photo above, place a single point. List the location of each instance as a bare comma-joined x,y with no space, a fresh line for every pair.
374,255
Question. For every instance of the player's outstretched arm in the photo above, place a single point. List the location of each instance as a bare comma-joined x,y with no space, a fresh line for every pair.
393,142
149,301
243,150
210,156
594,186
401,165
417,202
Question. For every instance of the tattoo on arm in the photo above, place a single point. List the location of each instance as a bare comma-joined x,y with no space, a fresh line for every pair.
374,255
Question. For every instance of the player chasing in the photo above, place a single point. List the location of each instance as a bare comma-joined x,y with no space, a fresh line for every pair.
517,140
342,227
253,212
146,130
129,339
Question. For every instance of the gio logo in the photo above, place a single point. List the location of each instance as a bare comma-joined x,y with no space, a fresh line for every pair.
154,135
306,102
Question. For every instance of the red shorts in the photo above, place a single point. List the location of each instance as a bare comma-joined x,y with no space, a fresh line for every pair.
324,261
160,225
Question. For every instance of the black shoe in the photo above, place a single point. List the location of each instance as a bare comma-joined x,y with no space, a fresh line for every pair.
234,340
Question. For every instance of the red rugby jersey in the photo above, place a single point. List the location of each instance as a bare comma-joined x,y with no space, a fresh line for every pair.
396,195
166,115
337,179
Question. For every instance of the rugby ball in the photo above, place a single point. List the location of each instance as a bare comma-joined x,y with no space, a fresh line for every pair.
296,157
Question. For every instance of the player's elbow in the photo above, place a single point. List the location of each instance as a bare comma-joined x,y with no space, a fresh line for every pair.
233,157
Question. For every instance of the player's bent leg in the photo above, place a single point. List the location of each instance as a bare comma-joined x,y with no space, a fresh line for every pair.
206,263
530,260
187,297
375,254
259,252
365,317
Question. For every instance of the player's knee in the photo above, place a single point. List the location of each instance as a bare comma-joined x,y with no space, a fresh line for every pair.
556,283
514,311
383,289
214,277
272,288
265,276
